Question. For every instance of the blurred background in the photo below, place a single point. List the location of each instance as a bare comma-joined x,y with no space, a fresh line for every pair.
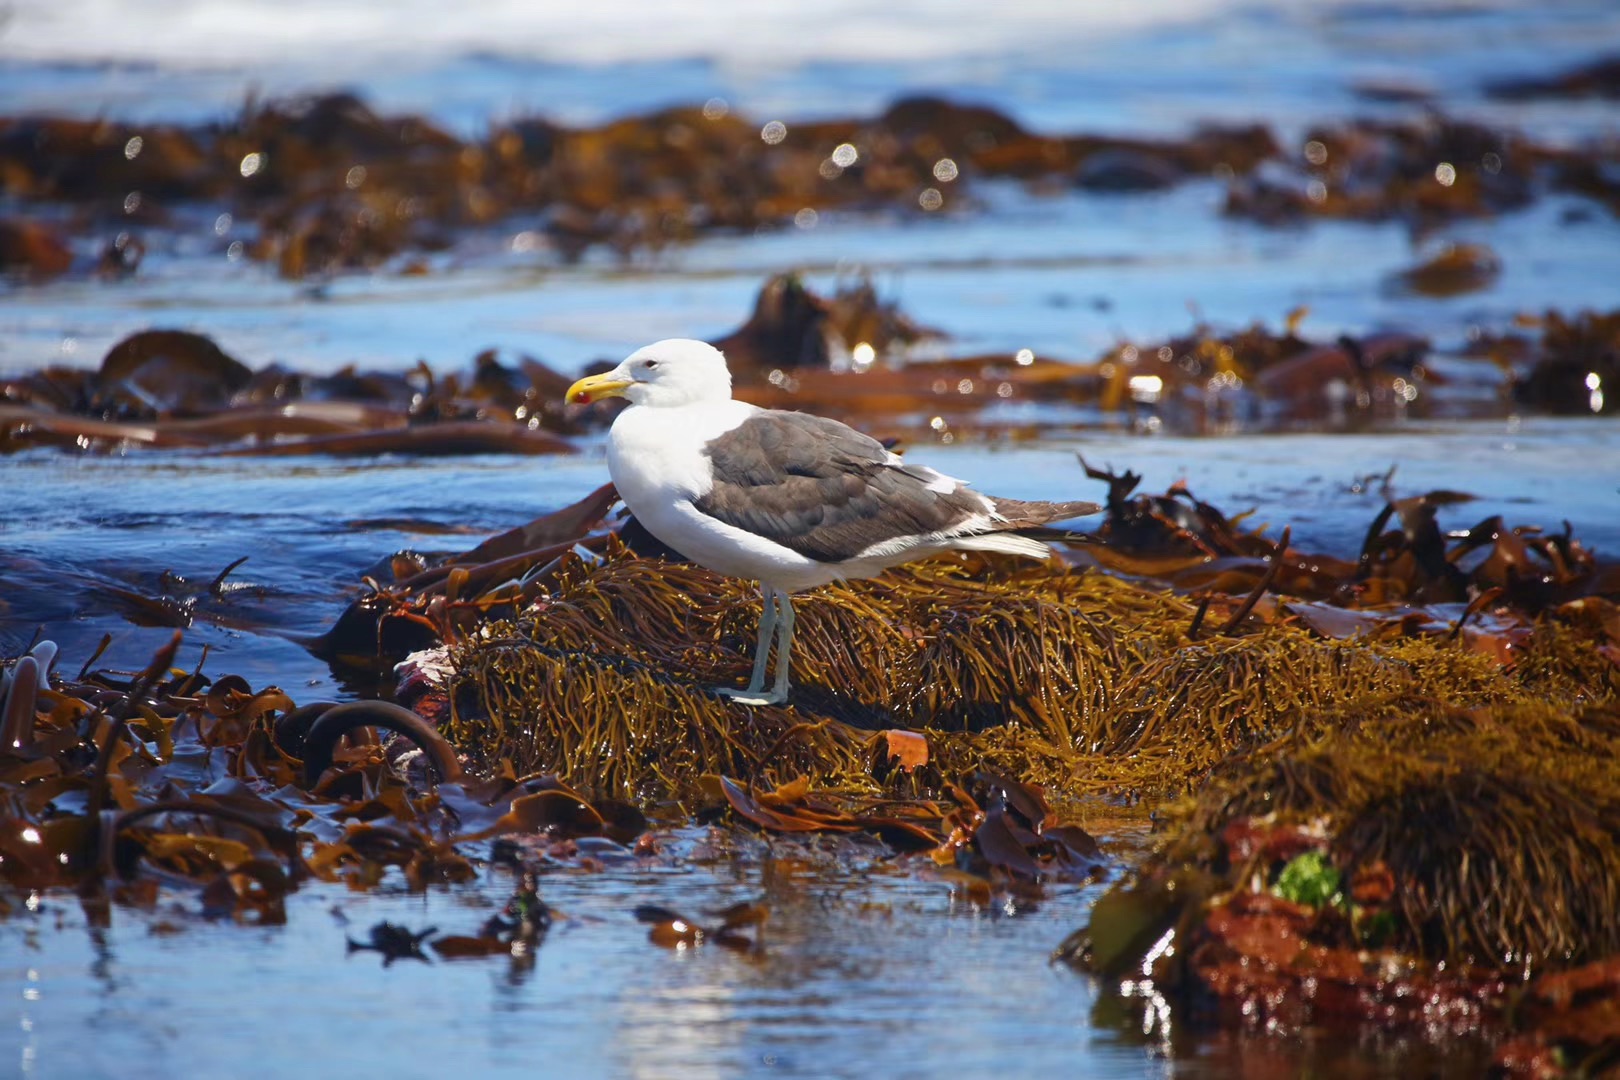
1067,261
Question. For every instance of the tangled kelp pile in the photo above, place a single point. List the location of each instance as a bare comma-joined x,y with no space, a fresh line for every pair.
1077,680
120,784
1415,868
1410,856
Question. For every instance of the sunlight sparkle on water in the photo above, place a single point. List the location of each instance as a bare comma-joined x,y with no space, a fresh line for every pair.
1146,388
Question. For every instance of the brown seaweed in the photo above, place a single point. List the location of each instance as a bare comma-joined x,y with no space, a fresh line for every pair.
322,184
848,356
178,389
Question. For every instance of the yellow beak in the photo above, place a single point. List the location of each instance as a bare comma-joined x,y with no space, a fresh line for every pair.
595,388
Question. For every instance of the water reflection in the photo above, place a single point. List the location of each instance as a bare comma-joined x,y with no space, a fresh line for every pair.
865,970
30,1043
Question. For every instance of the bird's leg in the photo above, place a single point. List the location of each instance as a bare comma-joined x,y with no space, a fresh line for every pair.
784,649
767,630
754,693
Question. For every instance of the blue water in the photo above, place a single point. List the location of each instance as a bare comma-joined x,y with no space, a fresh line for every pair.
865,970
868,970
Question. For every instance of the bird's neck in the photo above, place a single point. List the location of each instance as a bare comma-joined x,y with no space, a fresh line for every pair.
650,428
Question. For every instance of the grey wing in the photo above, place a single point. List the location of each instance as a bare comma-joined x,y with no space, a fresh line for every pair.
824,490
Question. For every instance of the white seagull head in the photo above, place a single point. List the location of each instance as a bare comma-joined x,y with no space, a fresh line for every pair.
675,371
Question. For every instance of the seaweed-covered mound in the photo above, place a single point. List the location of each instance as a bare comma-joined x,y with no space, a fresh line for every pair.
1406,867
1073,679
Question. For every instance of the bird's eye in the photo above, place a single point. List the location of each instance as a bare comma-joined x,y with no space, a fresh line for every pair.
648,365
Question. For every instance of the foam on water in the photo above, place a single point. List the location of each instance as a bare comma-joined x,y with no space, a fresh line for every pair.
765,33
1156,66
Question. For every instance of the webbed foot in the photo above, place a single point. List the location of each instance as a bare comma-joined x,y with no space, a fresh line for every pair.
750,696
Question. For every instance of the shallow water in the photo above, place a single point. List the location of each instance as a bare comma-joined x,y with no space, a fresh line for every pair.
868,968
865,970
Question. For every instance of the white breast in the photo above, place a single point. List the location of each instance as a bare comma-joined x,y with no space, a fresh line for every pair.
657,461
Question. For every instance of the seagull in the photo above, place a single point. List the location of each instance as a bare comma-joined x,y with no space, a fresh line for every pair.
787,499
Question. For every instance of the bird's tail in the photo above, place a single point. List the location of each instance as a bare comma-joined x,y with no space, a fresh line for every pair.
1009,543
1018,514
